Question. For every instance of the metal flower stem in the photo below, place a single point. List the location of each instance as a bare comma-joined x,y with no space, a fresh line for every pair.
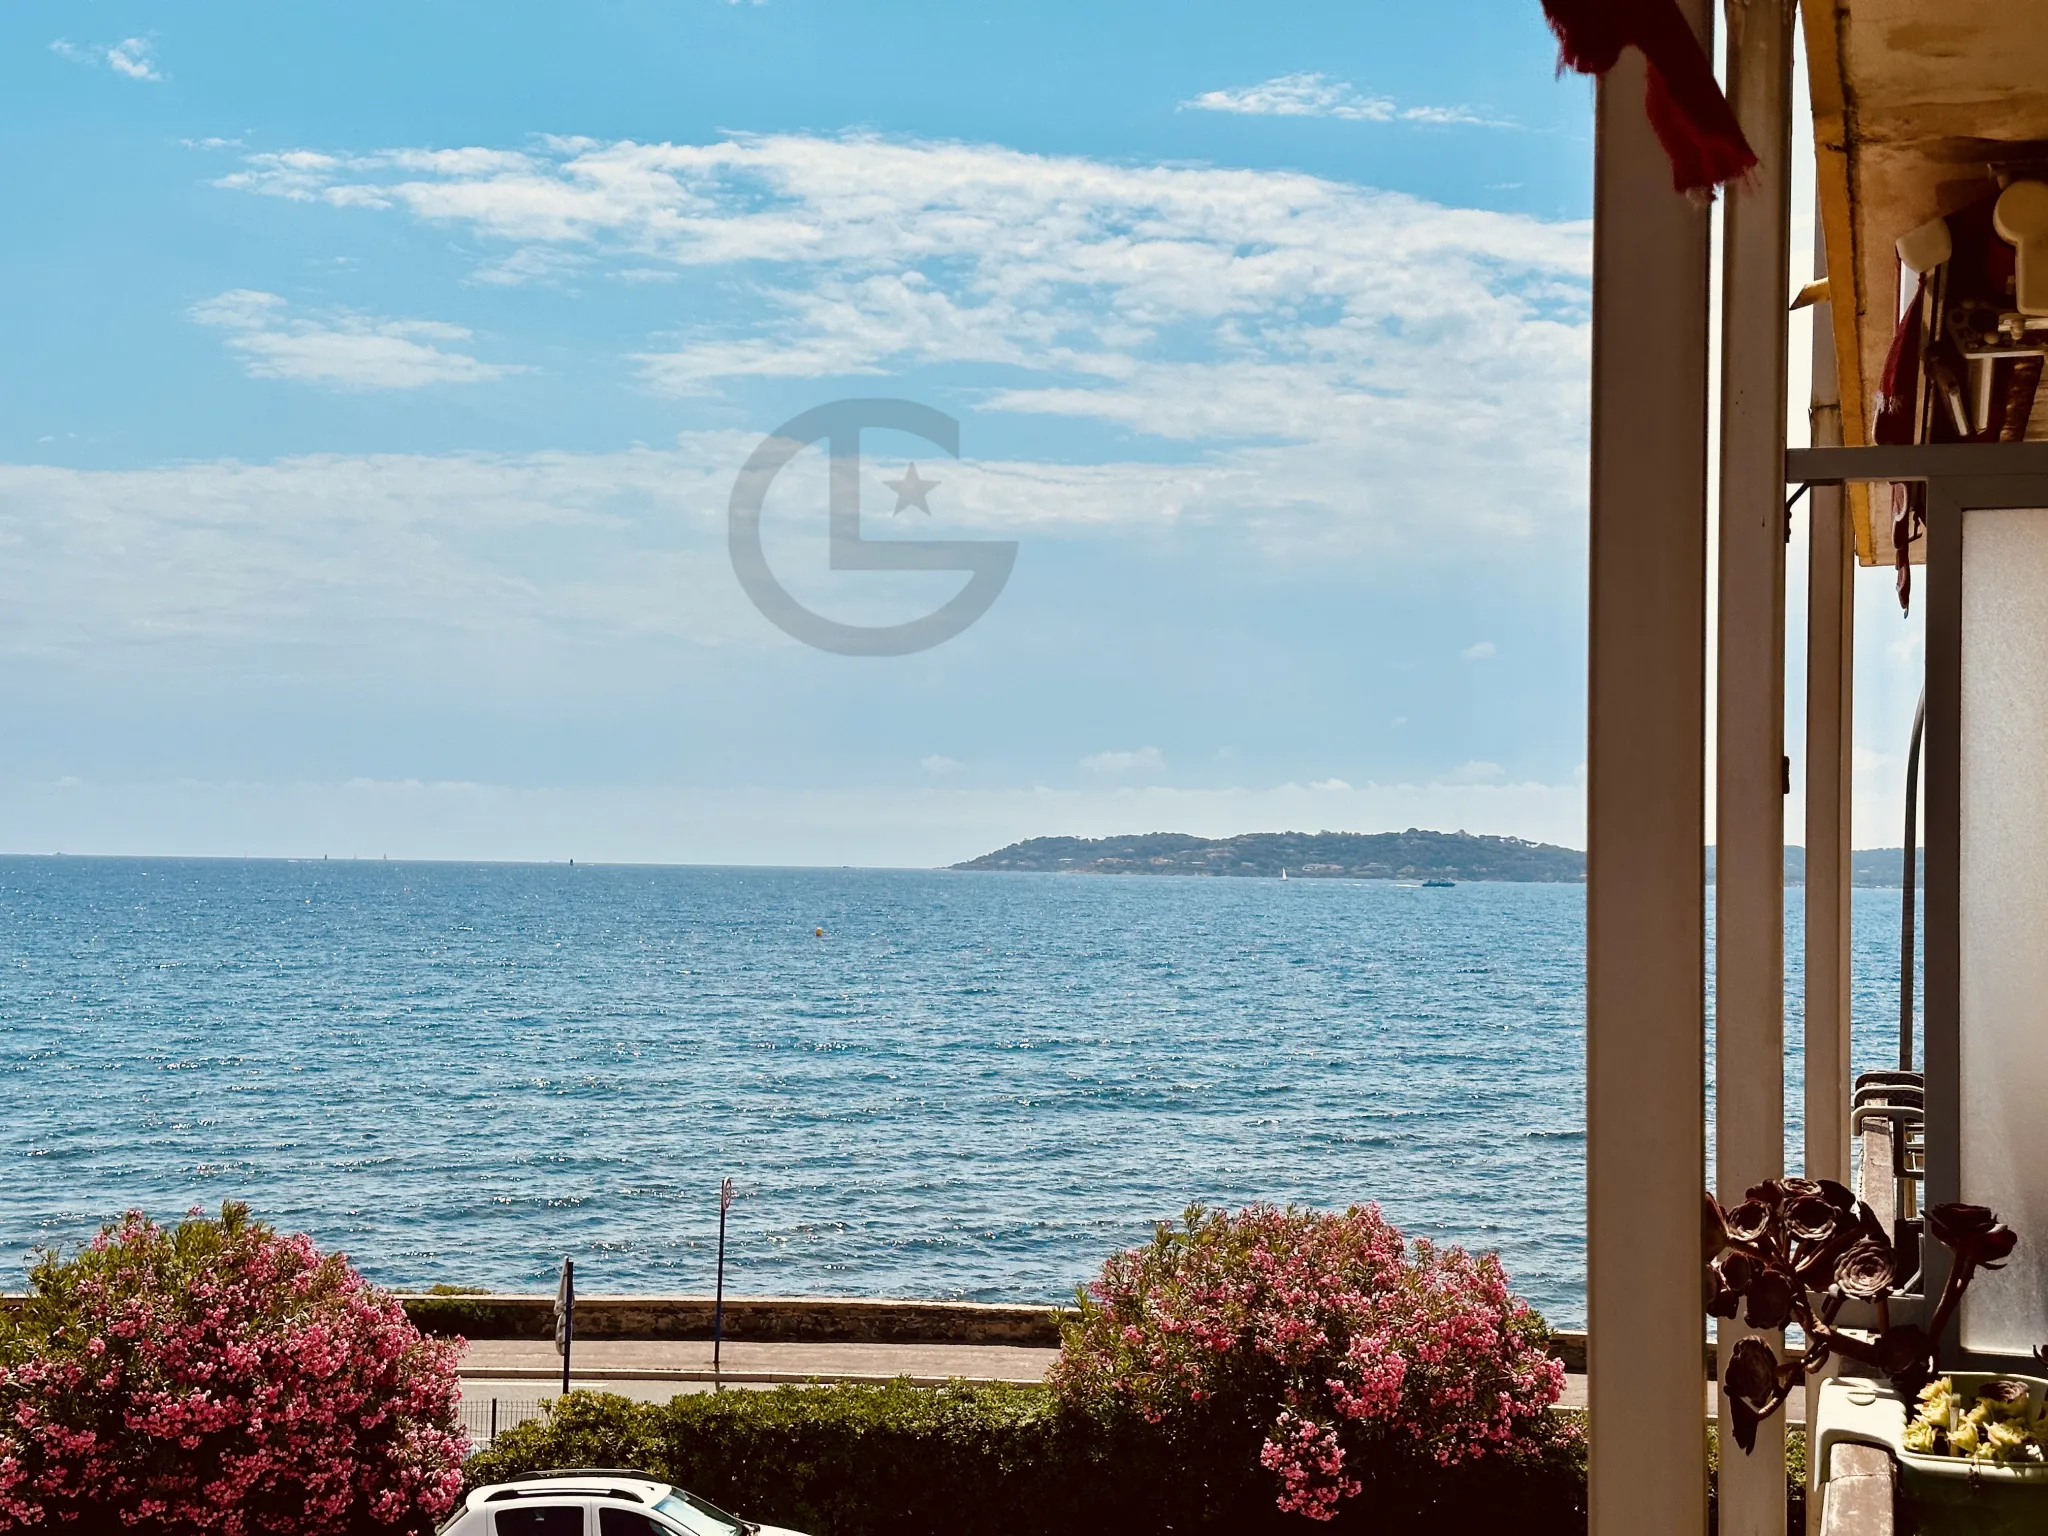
1960,1273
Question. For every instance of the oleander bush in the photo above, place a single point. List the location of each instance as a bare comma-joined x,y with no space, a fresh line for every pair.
219,1376
1320,1345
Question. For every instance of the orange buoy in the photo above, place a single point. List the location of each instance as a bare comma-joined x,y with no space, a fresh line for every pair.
818,932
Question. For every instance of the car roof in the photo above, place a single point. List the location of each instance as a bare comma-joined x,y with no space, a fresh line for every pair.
571,1483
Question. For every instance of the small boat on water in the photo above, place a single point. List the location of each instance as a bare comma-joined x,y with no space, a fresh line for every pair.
1442,885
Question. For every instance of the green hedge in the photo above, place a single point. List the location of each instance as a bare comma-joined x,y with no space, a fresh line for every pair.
1002,1461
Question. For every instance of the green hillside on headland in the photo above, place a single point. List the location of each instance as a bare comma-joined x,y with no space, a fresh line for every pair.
1410,855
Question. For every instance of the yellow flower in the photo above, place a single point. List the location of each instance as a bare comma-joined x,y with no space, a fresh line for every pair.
1937,1401
2005,1441
1920,1437
1963,1438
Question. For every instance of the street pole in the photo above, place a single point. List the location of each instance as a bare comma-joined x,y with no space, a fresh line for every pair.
565,1318
718,1302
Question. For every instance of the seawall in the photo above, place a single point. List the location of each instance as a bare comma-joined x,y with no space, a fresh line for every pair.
778,1319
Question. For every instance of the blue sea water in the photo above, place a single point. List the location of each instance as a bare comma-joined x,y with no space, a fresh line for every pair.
972,1085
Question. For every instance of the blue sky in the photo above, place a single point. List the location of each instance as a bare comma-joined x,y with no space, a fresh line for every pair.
377,375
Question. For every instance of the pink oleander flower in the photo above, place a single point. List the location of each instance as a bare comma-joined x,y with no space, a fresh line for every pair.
218,1376
1328,1327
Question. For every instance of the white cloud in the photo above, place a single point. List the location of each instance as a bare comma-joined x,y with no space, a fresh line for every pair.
1328,785
1479,650
1476,773
940,767
1310,345
1144,760
480,564
531,264
342,351
132,56
489,558
1455,117
238,309
1317,95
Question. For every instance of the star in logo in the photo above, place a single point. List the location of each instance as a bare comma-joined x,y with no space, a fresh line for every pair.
911,491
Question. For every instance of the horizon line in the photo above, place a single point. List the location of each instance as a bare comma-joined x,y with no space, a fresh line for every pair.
570,861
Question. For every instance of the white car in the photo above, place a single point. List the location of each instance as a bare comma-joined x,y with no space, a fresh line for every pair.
595,1501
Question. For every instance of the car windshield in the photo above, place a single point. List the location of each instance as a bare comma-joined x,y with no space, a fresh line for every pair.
701,1515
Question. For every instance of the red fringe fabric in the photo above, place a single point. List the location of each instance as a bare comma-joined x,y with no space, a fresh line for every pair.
1898,387
1692,119
1898,390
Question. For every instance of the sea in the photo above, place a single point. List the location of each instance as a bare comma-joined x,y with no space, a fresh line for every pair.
922,1083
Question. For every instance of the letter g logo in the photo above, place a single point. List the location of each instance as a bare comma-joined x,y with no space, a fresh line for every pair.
840,424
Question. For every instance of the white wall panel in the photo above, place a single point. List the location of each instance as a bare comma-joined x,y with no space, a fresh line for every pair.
2004,915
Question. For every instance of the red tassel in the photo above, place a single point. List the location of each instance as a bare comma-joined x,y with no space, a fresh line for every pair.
1691,117
1909,521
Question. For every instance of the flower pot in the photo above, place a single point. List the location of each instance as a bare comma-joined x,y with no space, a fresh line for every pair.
1951,1494
1948,1495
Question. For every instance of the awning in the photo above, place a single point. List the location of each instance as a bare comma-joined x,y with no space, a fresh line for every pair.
1919,109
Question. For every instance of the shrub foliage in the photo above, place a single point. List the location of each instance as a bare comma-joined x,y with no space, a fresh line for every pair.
1319,1344
218,1376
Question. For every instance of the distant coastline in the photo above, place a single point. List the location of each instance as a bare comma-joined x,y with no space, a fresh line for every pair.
1411,855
